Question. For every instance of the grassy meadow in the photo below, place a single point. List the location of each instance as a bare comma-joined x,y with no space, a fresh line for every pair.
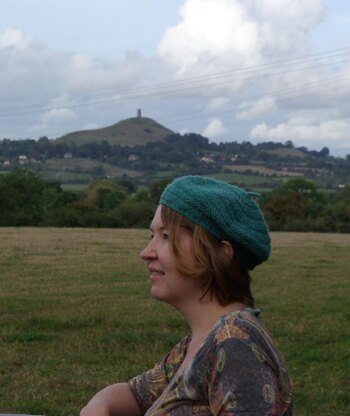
76,315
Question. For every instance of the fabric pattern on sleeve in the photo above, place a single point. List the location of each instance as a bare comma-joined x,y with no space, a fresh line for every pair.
148,386
241,382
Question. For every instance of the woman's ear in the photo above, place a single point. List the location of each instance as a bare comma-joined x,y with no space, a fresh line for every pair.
226,246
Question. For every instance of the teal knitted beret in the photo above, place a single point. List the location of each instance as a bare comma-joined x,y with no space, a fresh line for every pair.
226,211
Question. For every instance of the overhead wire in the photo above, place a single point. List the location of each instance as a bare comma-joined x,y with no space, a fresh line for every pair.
216,80
202,81
277,94
283,100
282,96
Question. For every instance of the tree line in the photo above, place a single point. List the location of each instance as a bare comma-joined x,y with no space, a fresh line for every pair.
27,200
178,153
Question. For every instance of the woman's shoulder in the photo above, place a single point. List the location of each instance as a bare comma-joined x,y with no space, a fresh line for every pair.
245,329
243,324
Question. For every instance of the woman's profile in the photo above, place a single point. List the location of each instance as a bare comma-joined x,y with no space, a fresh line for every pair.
206,235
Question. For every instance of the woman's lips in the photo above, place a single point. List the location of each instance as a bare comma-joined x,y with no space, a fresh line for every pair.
154,273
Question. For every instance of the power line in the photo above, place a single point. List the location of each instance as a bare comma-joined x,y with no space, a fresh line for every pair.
279,94
251,73
188,85
284,100
283,96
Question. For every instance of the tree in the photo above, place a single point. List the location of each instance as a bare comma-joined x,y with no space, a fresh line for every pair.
104,194
324,152
339,211
133,213
157,188
294,206
24,198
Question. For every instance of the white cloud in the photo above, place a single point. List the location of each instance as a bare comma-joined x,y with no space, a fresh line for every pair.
58,115
217,35
14,38
216,104
284,23
60,101
40,128
257,109
213,36
53,118
307,131
214,129
32,73
39,85
85,73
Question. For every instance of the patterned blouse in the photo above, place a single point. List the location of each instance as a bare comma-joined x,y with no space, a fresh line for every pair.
236,371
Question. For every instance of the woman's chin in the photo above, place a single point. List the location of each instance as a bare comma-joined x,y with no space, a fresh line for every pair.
156,293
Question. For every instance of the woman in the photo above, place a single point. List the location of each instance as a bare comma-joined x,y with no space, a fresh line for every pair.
206,236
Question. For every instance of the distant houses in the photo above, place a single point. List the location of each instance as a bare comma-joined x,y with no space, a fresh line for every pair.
21,160
6,163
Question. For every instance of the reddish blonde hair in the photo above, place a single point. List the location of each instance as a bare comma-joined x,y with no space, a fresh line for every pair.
216,273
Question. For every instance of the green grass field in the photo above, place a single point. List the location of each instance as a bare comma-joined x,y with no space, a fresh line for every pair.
64,170
76,315
247,180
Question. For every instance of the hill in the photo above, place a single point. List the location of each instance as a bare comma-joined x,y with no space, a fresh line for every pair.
145,151
132,131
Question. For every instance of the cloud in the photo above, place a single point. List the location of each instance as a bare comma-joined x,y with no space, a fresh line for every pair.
307,131
14,38
32,73
216,35
257,109
216,104
40,128
214,129
85,73
58,115
39,86
283,23
209,29
52,119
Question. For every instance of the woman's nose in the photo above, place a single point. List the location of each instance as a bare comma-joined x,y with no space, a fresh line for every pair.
148,252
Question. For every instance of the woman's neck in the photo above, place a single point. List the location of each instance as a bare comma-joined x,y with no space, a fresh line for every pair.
202,315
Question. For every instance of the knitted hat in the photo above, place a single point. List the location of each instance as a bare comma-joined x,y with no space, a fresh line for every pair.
226,211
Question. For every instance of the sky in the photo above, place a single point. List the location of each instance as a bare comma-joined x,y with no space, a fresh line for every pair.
231,70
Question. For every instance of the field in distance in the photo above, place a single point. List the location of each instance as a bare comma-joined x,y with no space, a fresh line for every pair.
76,315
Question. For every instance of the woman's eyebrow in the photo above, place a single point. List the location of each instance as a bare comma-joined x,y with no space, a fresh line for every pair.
160,228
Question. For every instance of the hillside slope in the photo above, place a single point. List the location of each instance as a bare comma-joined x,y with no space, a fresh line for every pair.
129,132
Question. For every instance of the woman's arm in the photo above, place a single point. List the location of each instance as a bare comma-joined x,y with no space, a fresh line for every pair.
135,397
114,400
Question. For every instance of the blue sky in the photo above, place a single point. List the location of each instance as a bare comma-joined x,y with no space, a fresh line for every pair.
103,28
253,70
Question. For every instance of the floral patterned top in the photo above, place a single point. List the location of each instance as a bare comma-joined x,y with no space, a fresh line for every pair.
236,371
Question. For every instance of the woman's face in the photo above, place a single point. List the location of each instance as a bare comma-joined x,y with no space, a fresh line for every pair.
168,284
